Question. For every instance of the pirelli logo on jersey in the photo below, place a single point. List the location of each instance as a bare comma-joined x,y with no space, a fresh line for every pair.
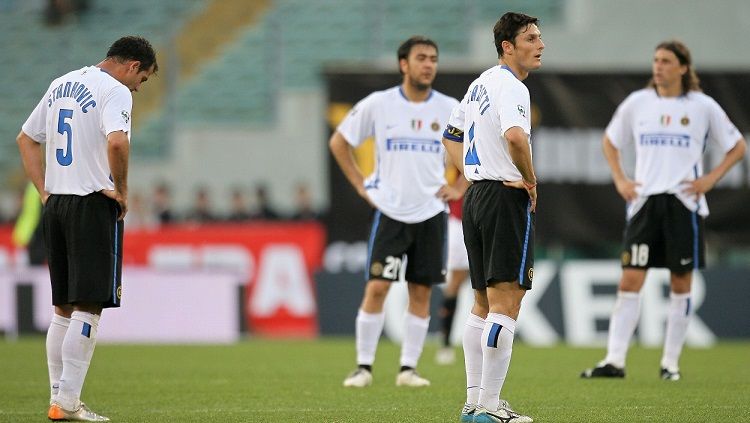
413,144
665,140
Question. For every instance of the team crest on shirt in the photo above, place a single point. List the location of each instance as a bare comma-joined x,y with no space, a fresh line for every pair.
625,258
119,292
685,121
531,274
376,269
125,116
435,126
521,110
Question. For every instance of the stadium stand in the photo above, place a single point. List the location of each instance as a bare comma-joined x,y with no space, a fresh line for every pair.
227,76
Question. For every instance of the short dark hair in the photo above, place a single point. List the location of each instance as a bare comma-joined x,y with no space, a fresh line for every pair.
508,26
690,80
134,48
405,48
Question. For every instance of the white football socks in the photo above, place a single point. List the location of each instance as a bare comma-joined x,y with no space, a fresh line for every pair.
55,335
497,346
621,327
677,325
368,329
472,342
415,331
77,349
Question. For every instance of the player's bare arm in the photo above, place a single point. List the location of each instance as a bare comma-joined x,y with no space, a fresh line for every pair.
624,185
520,153
454,191
118,151
706,182
344,154
455,152
33,162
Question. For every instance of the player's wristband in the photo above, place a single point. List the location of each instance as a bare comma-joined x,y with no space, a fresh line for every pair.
528,185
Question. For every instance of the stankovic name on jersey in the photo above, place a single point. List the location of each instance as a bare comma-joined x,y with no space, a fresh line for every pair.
75,90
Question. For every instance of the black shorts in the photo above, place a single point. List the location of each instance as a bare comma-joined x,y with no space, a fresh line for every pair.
84,249
664,233
499,234
423,244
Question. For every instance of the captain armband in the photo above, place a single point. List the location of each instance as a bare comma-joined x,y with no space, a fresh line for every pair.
454,134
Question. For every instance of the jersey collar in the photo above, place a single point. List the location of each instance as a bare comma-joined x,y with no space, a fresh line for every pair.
506,67
403,94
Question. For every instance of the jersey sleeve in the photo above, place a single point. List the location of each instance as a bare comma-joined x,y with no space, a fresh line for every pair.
619,130
721,130
514,108
454,131
116,110
36,124
359,123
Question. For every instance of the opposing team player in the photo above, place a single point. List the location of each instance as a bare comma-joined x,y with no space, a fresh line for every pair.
84,120
405,189
488,137
670,123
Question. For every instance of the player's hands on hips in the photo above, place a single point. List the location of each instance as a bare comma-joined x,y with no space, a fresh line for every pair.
627,189
449,193
122,201
699,186
531,189
363,193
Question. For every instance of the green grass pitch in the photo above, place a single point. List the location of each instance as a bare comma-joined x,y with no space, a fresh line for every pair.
300,381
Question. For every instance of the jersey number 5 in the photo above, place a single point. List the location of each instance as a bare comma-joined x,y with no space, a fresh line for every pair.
65,157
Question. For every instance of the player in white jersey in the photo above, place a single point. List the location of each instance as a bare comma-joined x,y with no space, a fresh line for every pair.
670,123
408,190
488,137
84,121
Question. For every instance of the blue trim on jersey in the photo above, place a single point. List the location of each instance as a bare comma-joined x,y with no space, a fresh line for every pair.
403,94
86,330
494,335
525,243
114,267
445,242
371,241
694,218
695,176
705,142
506,67
687,308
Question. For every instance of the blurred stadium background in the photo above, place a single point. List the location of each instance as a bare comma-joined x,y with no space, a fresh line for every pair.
245,100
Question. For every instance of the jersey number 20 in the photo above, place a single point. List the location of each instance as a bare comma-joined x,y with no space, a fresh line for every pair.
65,157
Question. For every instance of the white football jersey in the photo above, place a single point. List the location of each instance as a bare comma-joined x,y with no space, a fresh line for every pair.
409,154
670,136
74,118
494,103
